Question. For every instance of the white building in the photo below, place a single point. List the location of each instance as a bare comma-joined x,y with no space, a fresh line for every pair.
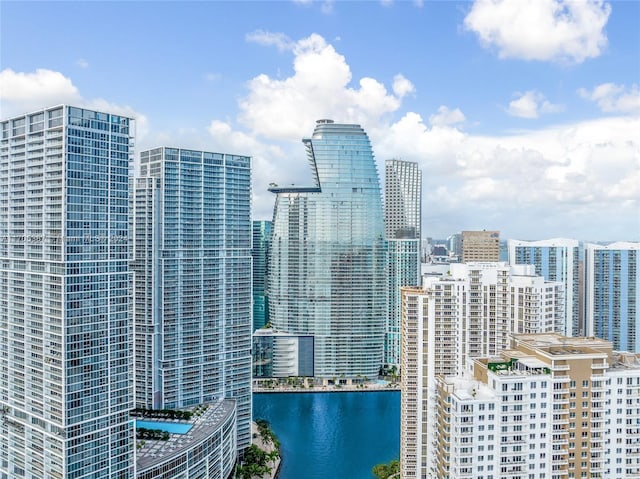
556,260
471,312
550,407
65,306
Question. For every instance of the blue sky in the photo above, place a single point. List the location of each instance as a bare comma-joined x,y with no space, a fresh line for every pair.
524,116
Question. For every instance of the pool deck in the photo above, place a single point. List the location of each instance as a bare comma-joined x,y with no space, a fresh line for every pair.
156,452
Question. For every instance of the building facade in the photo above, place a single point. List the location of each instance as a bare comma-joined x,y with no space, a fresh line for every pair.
192,263
551,407
480,246
65,308
327,266
402,214
282,355
470,312
262,231
612,293
556,260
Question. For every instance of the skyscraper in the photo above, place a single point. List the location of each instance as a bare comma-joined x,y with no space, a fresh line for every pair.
612,293
471,312
480,246
192,258
260,253
557,260
327,267
402,215
65,308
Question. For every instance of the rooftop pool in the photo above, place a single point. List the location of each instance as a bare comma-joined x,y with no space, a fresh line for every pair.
170,427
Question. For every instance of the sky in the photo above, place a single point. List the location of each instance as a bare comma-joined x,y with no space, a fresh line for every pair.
523,115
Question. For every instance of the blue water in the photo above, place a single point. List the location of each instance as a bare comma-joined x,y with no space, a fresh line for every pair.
172,427
332,435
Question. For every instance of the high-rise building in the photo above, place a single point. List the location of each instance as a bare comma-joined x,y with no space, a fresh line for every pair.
262,231
192,259
327,265
480,246
402,214
556,260
612,293
470,312
551,407
65,307
454,242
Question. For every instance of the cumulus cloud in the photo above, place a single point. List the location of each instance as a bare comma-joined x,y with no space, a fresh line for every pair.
21,92
445,116
614,98
555,180
531,104
547,30
320,87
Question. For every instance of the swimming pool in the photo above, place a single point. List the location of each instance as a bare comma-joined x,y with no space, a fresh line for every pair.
171,427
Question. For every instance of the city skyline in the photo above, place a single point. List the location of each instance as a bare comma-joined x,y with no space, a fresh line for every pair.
550,132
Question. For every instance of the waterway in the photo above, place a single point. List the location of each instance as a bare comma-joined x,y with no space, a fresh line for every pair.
337,435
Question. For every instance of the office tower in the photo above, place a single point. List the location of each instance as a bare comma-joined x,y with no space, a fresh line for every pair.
260,252
454,242
480,246
557,260
612,293
470,312
551,407
327,266
192,263
65,308
402,215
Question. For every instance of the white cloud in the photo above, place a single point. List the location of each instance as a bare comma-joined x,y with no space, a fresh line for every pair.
82,63
21,92
320,87
530,104
548,30
402,86
445,116
212,76
279,40
614,98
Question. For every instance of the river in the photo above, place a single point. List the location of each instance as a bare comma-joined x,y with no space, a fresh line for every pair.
336,435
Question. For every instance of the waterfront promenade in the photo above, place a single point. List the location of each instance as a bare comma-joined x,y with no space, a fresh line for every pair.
298,385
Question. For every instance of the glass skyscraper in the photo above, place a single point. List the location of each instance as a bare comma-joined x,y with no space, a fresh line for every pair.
556,260
327,271
612,293
66,386
262,231
402,217
192,259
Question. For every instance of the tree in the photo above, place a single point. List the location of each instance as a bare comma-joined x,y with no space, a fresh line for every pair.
384,471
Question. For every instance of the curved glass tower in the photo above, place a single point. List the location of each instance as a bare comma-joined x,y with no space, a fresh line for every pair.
327,272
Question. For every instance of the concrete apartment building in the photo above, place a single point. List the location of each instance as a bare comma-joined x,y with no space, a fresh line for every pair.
550,407
480,246
470,312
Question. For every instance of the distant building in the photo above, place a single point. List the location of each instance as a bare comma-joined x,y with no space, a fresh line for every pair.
327,268
612,293
282,355
550,406
454,243
192,259
470,312
262,231
402,212
65,304
556,260
480,246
